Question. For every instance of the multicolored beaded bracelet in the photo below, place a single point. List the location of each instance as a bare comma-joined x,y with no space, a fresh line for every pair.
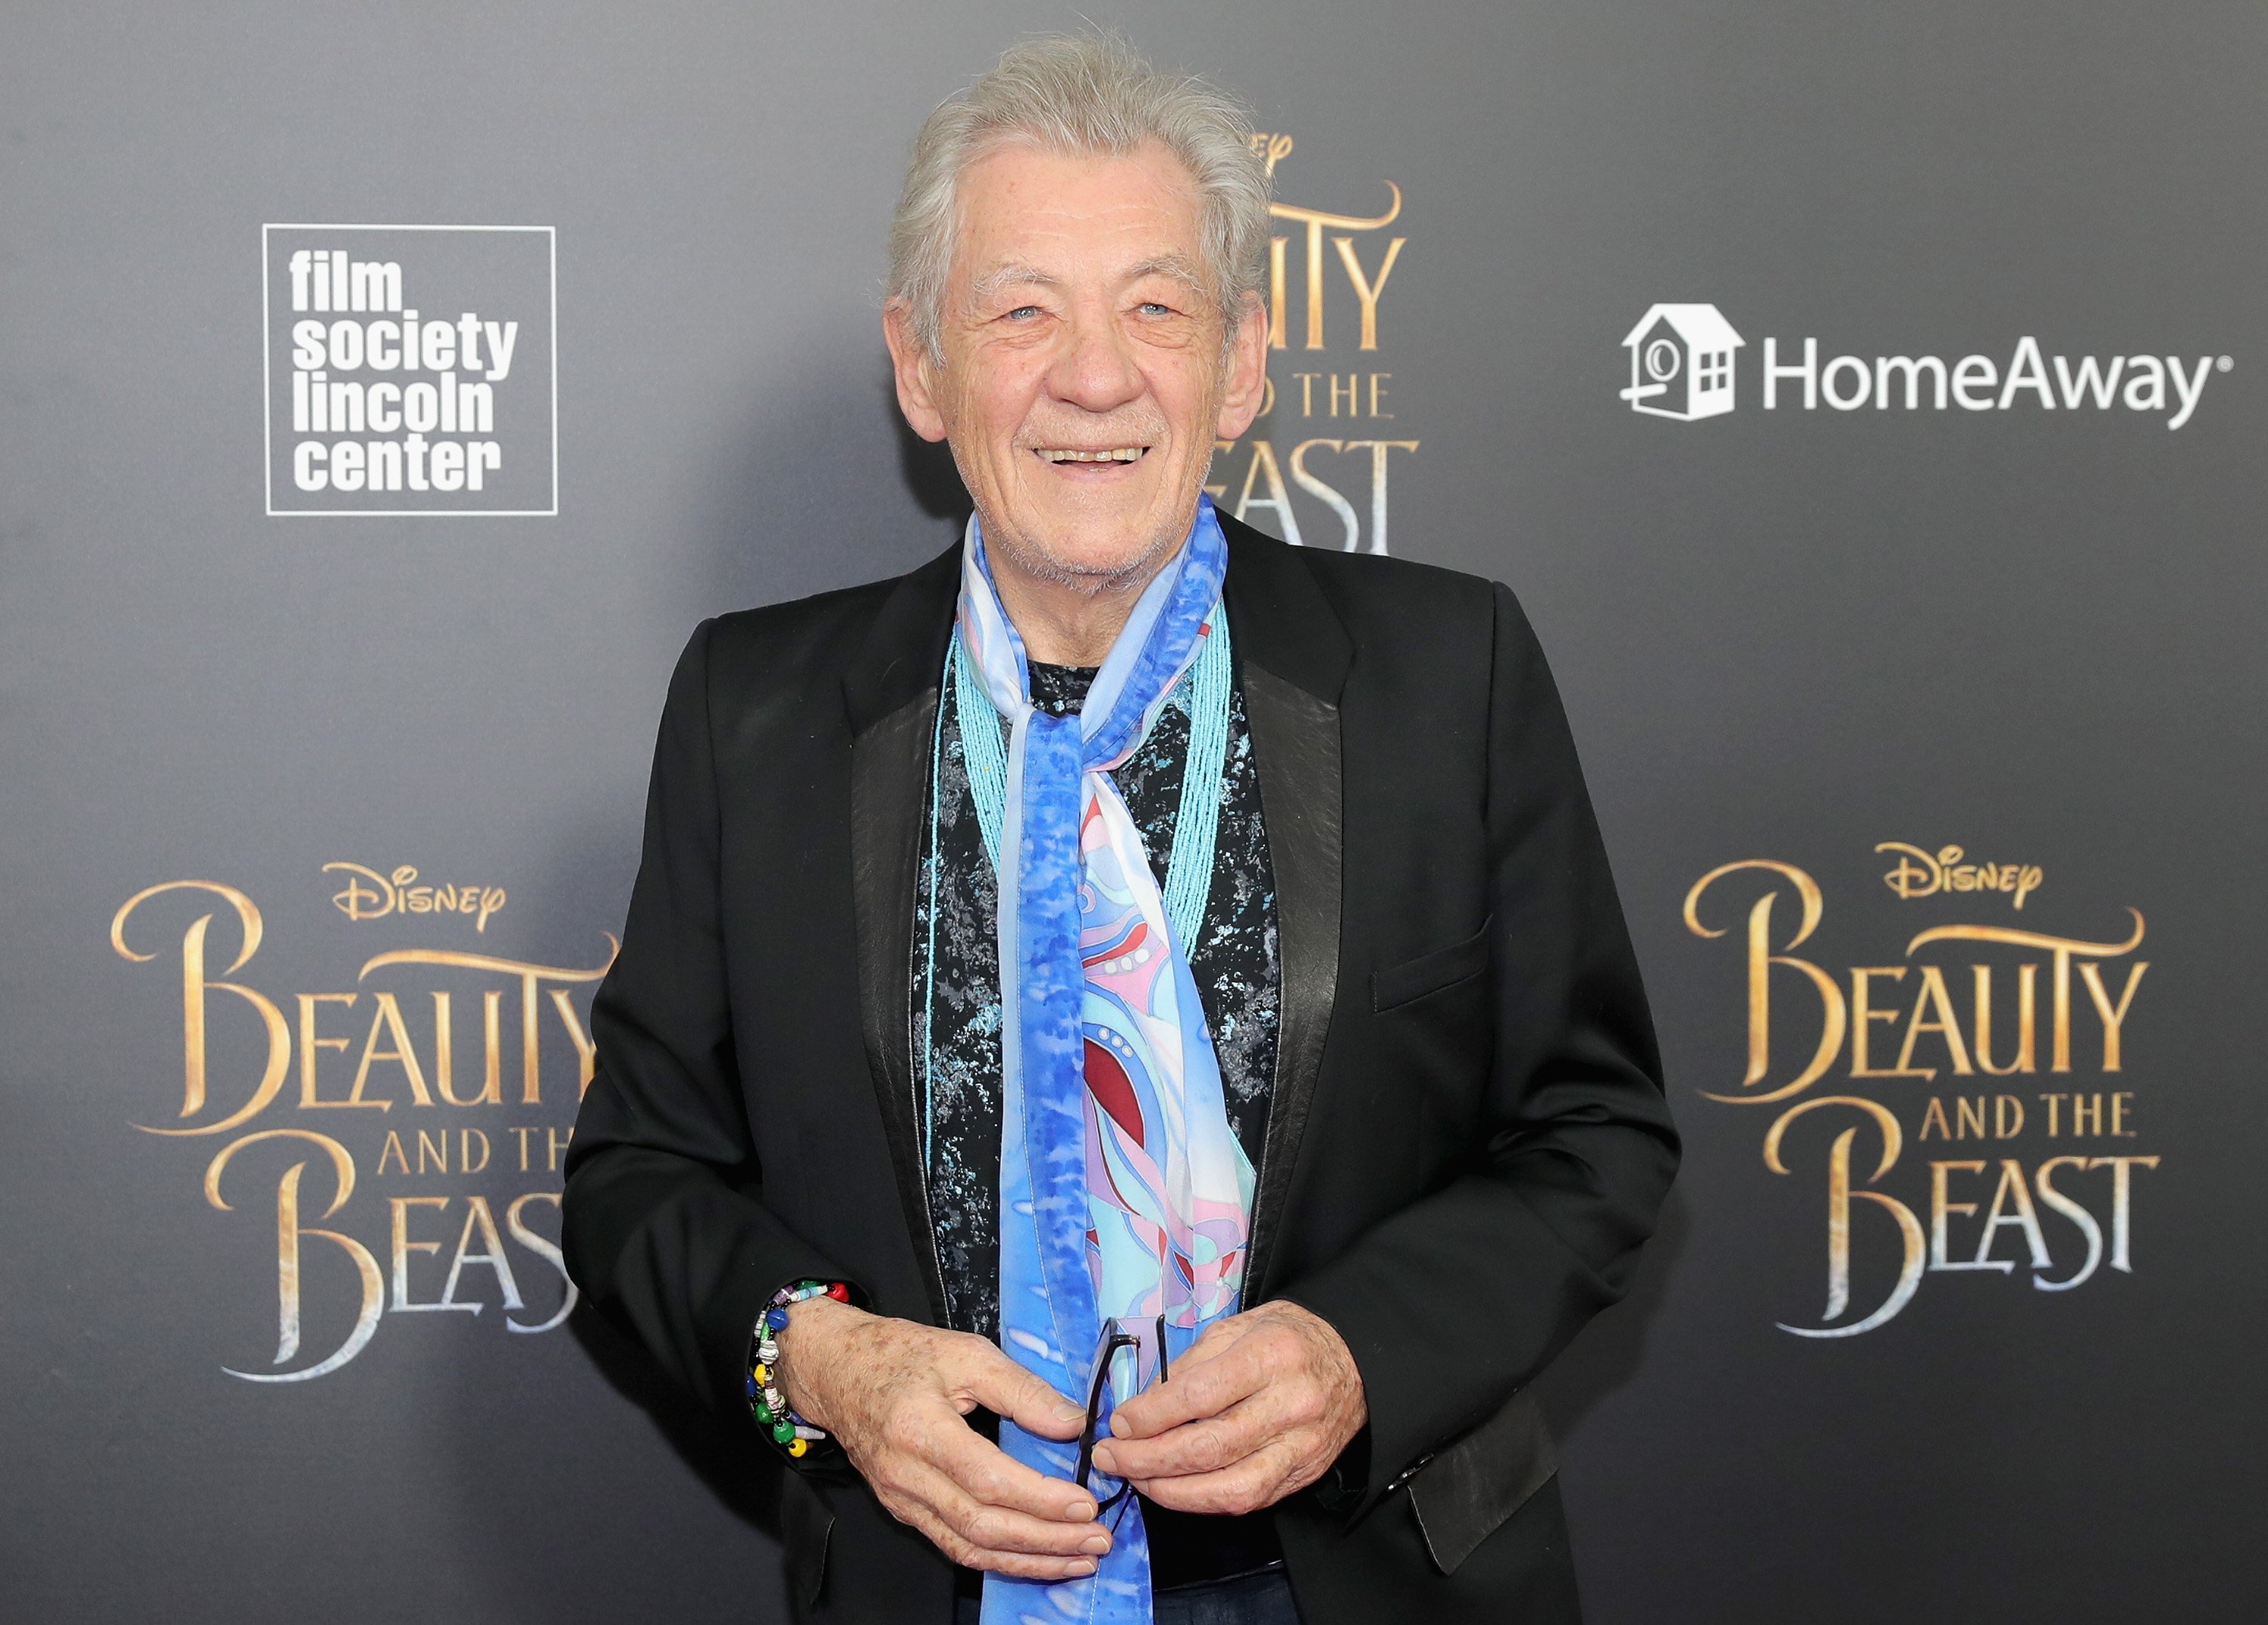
790,1431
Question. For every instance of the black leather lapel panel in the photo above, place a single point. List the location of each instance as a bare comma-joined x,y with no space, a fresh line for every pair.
1295,744
890,790
1464,1495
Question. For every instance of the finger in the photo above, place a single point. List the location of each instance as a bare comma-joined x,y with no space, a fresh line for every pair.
990,1474
1000,1529
1206,1445
958,1549
1196,1389
1006,1389
1259,1481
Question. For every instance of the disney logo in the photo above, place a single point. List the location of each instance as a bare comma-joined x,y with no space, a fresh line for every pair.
1944,871
1272,147
369,895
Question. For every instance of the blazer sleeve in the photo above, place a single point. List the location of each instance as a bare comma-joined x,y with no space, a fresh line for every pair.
1452,1304
665,1224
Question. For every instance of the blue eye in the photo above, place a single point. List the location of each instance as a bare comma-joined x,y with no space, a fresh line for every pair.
1152,307
1022,311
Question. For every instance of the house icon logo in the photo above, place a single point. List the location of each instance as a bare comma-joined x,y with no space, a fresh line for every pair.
1681,362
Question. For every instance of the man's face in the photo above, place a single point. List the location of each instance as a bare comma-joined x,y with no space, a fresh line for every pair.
1084,378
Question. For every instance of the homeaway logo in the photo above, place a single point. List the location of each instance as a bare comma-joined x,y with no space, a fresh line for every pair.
1683,362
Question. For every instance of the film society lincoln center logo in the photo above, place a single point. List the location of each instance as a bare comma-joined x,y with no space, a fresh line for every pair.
411,369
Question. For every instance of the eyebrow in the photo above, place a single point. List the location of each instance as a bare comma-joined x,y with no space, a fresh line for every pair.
1011,275
1177,267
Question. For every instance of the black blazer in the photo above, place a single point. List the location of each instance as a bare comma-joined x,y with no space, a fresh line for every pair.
1467,1141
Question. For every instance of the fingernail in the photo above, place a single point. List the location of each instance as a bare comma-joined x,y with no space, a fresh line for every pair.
1066,1415
1082,1566
1080,1511
1097,1544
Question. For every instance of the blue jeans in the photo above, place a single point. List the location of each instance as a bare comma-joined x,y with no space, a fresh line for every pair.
1262,1599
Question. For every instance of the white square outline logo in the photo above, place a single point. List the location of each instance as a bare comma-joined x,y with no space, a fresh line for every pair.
268,380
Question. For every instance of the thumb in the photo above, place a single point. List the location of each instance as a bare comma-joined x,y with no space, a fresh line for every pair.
1006,1389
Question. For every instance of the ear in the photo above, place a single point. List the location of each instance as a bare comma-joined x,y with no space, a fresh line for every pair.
1248,371
910,363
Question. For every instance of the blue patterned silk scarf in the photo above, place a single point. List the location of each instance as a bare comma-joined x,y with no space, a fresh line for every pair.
1123,1191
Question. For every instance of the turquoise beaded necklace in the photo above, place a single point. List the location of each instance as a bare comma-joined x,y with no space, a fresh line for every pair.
984,753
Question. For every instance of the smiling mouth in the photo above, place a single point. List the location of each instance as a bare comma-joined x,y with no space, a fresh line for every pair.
1065,454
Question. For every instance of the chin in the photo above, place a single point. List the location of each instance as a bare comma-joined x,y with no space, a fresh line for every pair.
1082,553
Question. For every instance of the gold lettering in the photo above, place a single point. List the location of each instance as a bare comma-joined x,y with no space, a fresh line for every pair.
1840,1192
478,1216
529,975
1276,292
2113,1018
1314,487
289,1233
586,1052
1378,450
1263,462
2022,1217
545,1250
2088,1228
195,988
1940,1208
2121,1204
1933,995
1863,1015
388,1016
1366,291
403,1247
2027,1007
1760,962
309,1043
2062,948
1315,220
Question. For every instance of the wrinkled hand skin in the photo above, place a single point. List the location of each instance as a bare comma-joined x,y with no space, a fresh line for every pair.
894,1395
1260,1406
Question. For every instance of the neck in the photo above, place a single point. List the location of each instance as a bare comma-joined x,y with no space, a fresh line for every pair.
1068,623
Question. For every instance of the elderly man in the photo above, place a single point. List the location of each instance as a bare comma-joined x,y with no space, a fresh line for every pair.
1125,1059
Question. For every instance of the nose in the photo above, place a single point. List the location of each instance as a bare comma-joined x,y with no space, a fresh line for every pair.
1095,371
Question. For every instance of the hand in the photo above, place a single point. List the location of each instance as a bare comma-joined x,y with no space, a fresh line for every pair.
1261,1406
894,1395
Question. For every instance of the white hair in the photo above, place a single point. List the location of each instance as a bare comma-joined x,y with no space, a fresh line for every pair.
1086,94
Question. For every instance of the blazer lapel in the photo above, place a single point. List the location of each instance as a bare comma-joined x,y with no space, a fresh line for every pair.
1293,654
890,696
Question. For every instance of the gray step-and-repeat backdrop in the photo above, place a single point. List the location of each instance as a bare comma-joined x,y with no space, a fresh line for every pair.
1866,403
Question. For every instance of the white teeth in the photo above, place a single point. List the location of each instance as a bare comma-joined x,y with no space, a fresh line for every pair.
1123,454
